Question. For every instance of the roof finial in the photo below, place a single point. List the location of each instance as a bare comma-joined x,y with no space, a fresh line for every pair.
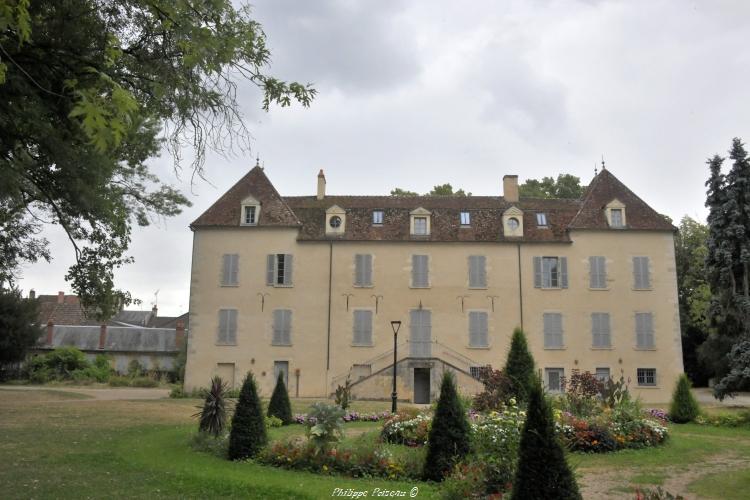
257,160
596,172
604,167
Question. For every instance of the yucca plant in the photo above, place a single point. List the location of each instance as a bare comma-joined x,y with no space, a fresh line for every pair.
212,418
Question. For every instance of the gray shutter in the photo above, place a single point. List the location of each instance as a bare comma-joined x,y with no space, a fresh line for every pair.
606,330
234,269
563,272
366,332
646,276
288,265
637,276
553,330
277,326
232,326
473,329
648,321
287,326
367,274
419,271
357,270
602,272
593,272
477,271
226,264
537,272
223,327
547,330
595,340
270,269
357,328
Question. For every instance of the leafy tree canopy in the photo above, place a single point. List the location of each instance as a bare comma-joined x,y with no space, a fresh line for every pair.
92,89
440,190
565,186
19,329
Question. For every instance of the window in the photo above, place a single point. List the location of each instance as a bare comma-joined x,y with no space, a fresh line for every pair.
420,333
420,225
600,331
363,270
249,215
513,223
335,222
227,334
553,331
465,219
279,269
541,219
641,273
550,272
377,216
615,216
361,371
597,272
477,371
554,379
281,367
362,328
646,376
230,270
602,374
644,330
477,271
420,277
478,329
282,327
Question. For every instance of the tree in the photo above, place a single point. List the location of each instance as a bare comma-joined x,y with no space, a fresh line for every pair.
212,417
728,268
448,440
566,186
90,90
280,406
248,434
519,367
684,408
694,295
19,326
402,192
542,470
439,190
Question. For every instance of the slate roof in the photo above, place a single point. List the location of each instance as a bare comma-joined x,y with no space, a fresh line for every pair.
69,312
118,339
308,213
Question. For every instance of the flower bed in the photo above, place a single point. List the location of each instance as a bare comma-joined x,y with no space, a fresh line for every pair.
406,429
352,416
603,433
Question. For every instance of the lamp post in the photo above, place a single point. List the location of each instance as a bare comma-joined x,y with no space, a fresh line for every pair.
395,325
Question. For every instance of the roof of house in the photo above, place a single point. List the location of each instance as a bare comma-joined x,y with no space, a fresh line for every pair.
308,213
118,339
67,312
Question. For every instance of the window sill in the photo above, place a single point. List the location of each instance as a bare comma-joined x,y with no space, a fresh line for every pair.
276,344
225,344
230,286
419,235
282,286
465,226
649,289
246,224
597,289
551,288
648,386
636,348
362,345
610,348
420,287
478,288
479,347
561,348
363,286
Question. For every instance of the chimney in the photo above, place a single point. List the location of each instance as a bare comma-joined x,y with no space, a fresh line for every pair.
32,294
510,188
321,185
50,332
154,311
179,335
60,297
102,336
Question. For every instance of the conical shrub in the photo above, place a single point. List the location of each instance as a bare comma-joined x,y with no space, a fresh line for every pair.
448,440
542,472
280,406
248,434
684,407
519,367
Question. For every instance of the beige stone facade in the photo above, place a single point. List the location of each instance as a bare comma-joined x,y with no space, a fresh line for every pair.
339,324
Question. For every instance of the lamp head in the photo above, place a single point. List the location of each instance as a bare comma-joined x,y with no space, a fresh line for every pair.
396,325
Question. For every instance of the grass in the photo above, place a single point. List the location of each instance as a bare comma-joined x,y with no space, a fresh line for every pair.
729,485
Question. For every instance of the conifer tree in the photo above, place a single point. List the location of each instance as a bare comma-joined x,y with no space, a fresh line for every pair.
520,365
248,435
684,407
280,406
449,435
542,472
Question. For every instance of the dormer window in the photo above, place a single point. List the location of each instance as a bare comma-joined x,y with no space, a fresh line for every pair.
465,219
513,222
615,212
250,212
420,222
541,219
335,220
377,217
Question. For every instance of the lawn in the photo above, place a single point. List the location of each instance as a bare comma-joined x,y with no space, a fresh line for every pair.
54,445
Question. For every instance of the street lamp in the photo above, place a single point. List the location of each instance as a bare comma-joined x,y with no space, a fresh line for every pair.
396,325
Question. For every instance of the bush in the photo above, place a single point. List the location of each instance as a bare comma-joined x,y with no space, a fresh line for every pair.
248,435
542,471
466,480
344,394
119,381
449,436
519,367
324,425
615,393
58,364
736,419
212,417
582,393
495,441
280,406
177,392
272,422
684,407
135,368
403,429
498,390
143,382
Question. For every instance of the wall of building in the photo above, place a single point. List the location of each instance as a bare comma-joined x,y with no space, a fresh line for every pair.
320,368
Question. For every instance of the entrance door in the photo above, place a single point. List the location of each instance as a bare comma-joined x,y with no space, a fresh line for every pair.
226,372
422,385
281,367
420,333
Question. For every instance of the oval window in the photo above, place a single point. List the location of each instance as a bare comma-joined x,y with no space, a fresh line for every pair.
513,223
335,221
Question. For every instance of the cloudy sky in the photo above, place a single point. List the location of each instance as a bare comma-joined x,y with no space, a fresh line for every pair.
414,94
